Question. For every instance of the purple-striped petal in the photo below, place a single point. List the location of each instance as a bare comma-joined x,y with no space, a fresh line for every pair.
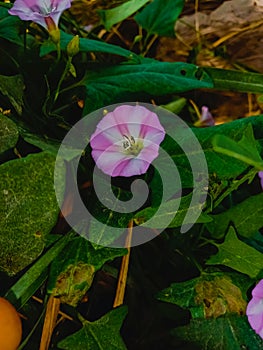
38,10
255,309
260,174
126,141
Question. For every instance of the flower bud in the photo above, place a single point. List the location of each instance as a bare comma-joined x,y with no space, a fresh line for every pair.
73,46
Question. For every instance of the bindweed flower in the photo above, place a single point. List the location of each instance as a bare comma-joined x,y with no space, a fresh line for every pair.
44,12
255,309
206,118
126,141
260,174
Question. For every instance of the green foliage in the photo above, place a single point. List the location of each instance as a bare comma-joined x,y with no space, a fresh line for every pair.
28,209
47,144
155,78
246,217
237,255
159,16
102,334
170,214
48,91
245,150
236,80
36,275
72,272
8,133
217,302
220,166
10,27
231,332
121,12
104,218
210,295
86,45
13,88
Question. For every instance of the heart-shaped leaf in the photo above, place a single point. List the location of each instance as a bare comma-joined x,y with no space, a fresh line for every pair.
103,334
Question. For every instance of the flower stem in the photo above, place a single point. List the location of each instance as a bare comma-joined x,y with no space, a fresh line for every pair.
58,52
62,78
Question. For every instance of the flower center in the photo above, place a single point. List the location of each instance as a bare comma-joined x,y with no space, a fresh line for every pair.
131,146
44,9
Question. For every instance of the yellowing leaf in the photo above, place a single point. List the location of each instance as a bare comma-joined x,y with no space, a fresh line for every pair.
219,297
209,296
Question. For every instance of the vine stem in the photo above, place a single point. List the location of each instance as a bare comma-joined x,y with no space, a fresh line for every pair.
58,52
149,45
234,186
121,286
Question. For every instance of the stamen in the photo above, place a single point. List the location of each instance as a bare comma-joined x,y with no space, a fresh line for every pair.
132,140
131,146
128,142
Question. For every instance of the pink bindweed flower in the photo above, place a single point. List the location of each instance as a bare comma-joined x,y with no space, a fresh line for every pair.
255,309
260,174
206,117
44,12
126,141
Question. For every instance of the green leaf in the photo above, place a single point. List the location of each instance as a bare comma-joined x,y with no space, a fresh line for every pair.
246,217
231,333
8,133
159,16
210,295
103,334
244,150
72,272
86,45
31,281
28,208
237,255
168,213
235,80
220,166
48,145
121,12
176,106
106,224
10,27
110,216
13,87
115,84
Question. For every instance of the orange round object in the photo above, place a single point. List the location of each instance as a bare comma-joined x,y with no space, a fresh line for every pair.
10,326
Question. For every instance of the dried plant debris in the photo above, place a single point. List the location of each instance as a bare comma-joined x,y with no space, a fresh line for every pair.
237,37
